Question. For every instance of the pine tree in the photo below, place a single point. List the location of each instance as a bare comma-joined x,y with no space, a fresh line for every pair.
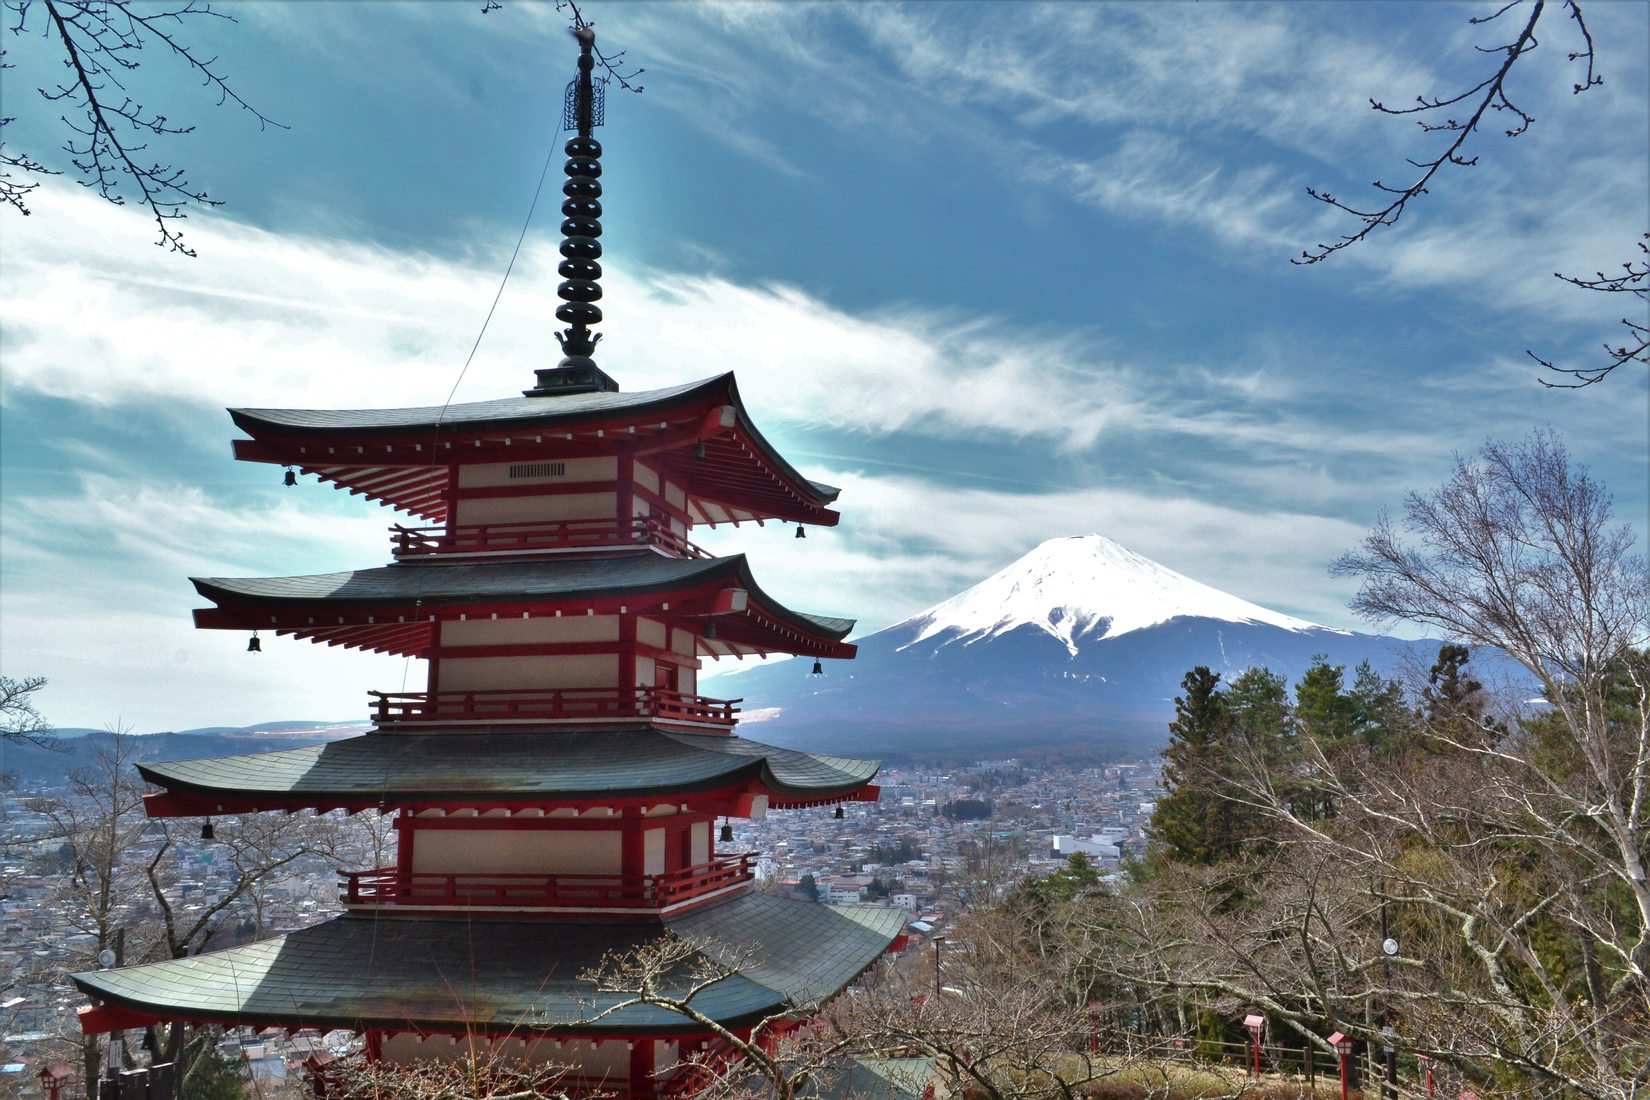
1381,718
1265,722
1195,822
1454,705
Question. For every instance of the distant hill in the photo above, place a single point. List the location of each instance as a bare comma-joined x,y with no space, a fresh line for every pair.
78,748
1077,647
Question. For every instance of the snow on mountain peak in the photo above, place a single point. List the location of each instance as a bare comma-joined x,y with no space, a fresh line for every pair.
1071,587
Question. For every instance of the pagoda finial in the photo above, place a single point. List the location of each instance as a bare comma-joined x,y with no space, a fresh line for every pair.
581,229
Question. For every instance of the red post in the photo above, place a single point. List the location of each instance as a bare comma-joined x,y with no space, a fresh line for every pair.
1256,1024
1426,1066
1094,1027
1343,1047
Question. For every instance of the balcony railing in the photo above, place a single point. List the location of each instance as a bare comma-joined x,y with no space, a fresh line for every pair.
389,886
551,705
492,538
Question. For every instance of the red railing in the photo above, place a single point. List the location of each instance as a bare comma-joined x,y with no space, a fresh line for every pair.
408,542
550,704
389,886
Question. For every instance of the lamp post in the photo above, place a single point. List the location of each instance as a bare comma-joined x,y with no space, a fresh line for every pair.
53,1076
939,938
1389,1052
1343,1050
1256,1024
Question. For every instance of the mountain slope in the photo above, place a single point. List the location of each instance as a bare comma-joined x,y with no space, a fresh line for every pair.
1079,646
1084,587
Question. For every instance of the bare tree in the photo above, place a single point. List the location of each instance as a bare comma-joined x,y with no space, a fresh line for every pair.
480,1070
1455,118
109,127
1517,551
1634,283
97,825
20,721
673,973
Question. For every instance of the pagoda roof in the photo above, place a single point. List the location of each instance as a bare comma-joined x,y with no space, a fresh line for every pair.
401,456
476,768
392,608
492,976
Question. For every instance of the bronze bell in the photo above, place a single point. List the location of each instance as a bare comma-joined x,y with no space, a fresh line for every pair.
727,833
839,815
710,629
207,832
801,532
291,477
253,645
699,451
819,669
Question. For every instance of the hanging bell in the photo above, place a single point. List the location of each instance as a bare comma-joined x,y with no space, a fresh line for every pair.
253,645
839,815
819,669
801,532
291,478
727,833
207,832
710,628
699,451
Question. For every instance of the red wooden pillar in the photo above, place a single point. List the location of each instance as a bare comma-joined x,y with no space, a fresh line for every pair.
405,831
626,492
642,1066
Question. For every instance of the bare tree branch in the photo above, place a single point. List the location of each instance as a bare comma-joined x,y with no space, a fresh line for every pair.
108,128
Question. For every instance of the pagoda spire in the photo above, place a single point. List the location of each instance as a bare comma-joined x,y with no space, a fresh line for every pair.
581,245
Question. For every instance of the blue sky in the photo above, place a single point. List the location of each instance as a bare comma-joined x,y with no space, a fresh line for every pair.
1002,272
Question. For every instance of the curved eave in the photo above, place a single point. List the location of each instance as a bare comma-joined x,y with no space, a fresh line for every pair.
400,457
623,769
496,977
393,608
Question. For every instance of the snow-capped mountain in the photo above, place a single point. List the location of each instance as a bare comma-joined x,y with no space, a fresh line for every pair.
1083,587
1079,645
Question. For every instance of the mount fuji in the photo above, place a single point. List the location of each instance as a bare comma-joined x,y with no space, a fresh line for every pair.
1077,647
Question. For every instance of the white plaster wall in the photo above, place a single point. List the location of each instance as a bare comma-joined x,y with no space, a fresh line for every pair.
586,670
651,632
509,630
488,474
545,509
646,476
610,1059
644,672
653,852
699,845
674,495
519,631
516,851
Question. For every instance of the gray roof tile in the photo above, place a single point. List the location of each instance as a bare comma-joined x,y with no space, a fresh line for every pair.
549,763
523,976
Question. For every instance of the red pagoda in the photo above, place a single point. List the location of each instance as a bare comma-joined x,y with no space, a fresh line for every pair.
556,786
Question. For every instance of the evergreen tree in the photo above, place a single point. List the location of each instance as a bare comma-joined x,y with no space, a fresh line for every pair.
808,886
1194,821
1454,704
1265,722
1323,710
1077,877
1381,718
